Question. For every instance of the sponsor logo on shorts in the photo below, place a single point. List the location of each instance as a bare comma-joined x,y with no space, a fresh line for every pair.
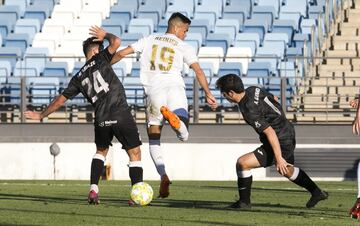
107,123
257,124
260,152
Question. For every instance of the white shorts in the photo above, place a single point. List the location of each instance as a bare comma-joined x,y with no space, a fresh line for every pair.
173,97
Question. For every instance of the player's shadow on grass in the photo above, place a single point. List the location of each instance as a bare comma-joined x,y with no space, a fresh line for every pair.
43,199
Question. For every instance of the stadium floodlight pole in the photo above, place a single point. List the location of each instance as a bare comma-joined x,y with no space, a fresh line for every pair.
54,151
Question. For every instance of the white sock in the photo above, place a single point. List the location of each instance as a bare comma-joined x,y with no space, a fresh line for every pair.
94,188
182,132
358,179
156,155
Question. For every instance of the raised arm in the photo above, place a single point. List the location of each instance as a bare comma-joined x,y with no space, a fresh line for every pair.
101,34
53,106
281,164
203,83
121,54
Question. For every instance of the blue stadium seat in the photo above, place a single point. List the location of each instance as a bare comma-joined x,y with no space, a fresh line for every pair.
48,3
144,26
251,40
267,54
259,69
293,52
277,37
5,28
212,10
201,26
77,66
129,38
134,90
123,12
9,13
36,57
5,68
120,69
207,67
150,11
266,14
116,27
241,6
222,40
288,70
230,68
256,26
135,70
185,7
27,26
13,90
20,3
57,69
162,26
293,16
160,4
42,90
11,54
21,69
227,26
21,41
195,40
40,12
292,6
237,12
189,89
285,26
274,3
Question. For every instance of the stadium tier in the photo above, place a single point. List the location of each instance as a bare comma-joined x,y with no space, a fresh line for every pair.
304,51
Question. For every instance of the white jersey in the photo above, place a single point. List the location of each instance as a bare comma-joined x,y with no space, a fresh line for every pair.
162,60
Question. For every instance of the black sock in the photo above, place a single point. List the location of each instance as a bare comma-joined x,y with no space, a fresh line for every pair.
97,167
303,180
244,187
136,174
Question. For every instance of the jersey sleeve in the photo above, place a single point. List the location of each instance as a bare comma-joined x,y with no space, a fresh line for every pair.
139,45
72,89
256,118
190,55
106,55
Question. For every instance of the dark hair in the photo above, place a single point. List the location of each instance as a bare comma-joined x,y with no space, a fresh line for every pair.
230,82
180,16
90,43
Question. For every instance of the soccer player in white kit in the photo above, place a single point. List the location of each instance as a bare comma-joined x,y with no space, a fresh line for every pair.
161,64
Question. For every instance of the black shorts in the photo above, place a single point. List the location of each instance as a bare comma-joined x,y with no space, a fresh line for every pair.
123,128
265,153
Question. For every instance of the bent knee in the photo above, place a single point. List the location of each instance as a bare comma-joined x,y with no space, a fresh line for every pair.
135,154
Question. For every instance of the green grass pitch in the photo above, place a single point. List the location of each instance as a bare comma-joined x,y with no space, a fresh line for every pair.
189,203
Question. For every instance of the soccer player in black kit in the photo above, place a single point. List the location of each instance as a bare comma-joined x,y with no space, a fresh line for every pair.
97,81
262,112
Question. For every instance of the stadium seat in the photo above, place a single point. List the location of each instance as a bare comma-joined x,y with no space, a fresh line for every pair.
128,60
288,70
22,69
222,40
123,12
5,68
27,26
212,10
259,69
143,26
274,3
236,12
13,90
292,6
271,52
130,38
207,67
162,26
120,69
201,26
230,68
40,12
228,26
117,27
20,3
256,26
97,6
135,69
36,57
251,40
10,13
243,7
277,37
47,40
185,7
151,11
5,28
42,90
134,90
77,66
214,55
285,26
10,54
89,18
265,14
57,69
195,40
242,55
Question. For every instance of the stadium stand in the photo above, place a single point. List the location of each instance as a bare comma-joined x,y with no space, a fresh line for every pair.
312,45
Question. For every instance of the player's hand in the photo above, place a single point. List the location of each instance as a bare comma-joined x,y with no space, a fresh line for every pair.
210,99
97,32
354,103
356,126
282,166
32,115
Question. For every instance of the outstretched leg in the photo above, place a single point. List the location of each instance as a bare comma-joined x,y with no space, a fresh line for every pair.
97,167
178,120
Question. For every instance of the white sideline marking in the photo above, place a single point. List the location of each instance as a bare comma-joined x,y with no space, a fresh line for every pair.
60,185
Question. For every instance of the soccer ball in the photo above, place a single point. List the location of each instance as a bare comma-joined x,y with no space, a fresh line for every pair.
141,193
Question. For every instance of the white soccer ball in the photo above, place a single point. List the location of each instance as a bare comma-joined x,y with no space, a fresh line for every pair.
141,193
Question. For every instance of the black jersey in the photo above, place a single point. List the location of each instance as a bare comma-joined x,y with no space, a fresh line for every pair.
260,110
99,84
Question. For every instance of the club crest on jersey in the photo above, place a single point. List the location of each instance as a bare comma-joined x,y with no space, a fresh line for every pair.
256,96
257,124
